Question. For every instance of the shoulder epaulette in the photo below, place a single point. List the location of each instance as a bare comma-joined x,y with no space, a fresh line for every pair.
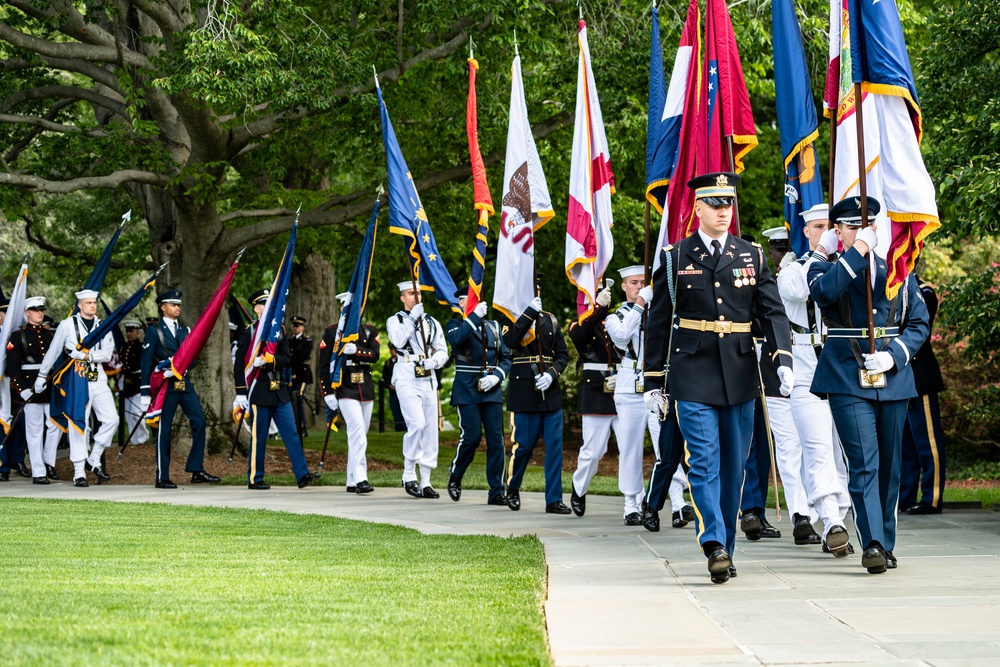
668,247
755,244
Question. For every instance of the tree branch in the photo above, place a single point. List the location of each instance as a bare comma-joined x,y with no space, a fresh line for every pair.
89,70
104,54
48,125
110,181
85,94
38,240
168,21
25,141
259,213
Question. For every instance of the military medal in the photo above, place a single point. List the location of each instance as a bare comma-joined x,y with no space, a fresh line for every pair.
753,281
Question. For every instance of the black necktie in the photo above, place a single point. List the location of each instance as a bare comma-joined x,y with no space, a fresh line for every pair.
716,250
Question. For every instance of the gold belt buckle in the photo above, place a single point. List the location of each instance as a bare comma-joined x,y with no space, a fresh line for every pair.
870,380
357,378
180,385
92,375
724,327
274,385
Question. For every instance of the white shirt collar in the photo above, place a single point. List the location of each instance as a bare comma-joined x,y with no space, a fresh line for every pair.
707,240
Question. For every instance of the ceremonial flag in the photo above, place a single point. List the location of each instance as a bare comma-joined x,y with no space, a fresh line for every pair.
589,243
407,218
796,121
70,395
12,322
481,193
678,213
95,281
867,47
526,207
272,319
190,348
350,315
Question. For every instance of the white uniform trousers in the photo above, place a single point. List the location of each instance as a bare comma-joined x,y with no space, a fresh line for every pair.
102,405
788,452
357,418
42,436
634,420
418,403
825,490
678,483
133,414
596,434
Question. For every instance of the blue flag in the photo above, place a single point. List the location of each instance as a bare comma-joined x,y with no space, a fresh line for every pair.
407,218
95,280
796,122
350,316
879,56
269,328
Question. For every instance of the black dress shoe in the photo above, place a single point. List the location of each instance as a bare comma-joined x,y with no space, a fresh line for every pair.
650,519
412,488
259,486
732,571
80,482
719,563
557,507
50,472
39,480
498,500
687,513
750,525
99,472
202,477
849,552
429,492
922,509
4,476
352,489
767,530
874,560
364,486
837,542
633,519
165,484
578,503
802,530
308,479
22,470
514,499
890,560
454,488
677,520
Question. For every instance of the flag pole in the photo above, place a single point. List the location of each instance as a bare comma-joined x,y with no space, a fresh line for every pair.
863,193
732,168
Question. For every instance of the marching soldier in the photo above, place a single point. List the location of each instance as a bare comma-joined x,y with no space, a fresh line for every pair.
825,490
68,335
868,393
419,341
301,347
598,364
355,395
533,395
160,344
716,284
131,381
482,361
267,400
25,350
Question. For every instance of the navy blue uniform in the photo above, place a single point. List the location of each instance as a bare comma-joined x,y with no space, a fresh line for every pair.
478,411
869,421
159,344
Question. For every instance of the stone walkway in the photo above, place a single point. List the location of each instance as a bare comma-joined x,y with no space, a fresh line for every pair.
625,596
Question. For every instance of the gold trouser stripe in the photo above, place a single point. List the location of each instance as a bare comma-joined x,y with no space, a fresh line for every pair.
938,473
513,448
253,447
697,512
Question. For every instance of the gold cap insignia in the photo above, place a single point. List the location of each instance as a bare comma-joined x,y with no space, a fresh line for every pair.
721,180
857,202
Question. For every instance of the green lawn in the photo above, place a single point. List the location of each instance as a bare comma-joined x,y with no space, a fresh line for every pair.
134,584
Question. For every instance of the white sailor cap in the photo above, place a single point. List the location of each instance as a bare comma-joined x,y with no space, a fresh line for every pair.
35,302
629,271
87,294
132,324
817,212
344,296
778,234
406,285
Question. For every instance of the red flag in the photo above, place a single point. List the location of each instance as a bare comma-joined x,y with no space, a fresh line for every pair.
481,193
729,112
680,198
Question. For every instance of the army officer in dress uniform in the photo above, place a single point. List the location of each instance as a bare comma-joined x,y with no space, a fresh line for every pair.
482,361
868,392
716,284
301,347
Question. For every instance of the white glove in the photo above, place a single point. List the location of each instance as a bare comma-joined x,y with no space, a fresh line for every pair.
168,373
259,361
430,364
350,348
346,301
39,385
789,258
145,402
879,362
611,382
868,237
655,401
646,294
787,380
417,311
536,303
543,381
480,310
26,394
331,401
78,354
829,241
488,382
604,297
241,403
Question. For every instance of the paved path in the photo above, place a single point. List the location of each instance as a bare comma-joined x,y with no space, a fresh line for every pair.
624,596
